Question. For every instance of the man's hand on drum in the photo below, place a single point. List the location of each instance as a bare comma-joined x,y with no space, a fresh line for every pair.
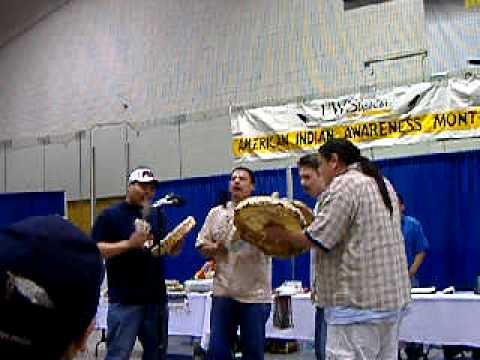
275,232
213,249
246,234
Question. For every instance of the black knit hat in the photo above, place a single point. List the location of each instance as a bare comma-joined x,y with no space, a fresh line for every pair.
50,277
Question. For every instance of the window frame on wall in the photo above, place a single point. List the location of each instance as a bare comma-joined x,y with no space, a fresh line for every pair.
354,4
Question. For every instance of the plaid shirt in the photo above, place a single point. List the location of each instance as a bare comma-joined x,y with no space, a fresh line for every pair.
245,272
363,263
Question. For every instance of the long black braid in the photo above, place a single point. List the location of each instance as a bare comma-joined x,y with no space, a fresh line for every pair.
349,154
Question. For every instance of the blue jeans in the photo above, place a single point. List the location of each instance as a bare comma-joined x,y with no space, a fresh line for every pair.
126,322
225,317
320,333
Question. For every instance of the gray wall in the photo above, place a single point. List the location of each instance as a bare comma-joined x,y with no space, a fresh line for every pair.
453,33
171,68
24,168
83,63
2,167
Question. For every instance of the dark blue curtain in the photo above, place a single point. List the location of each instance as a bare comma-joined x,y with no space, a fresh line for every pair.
201,195
442,191
18,206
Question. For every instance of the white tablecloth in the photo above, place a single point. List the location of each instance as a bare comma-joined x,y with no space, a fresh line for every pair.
188,319
437,319
184,319
451,319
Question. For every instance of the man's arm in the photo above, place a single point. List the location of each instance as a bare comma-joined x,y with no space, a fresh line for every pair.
421,248
211,249
205,244
419,258
275,231
326,230
137,241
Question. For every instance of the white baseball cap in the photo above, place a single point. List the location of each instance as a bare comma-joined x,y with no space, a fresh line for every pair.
142,175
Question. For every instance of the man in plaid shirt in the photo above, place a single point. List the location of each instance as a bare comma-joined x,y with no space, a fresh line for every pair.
362,277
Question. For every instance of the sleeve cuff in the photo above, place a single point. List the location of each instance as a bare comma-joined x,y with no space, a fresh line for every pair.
316,241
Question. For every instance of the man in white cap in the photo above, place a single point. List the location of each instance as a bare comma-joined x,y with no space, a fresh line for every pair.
136,281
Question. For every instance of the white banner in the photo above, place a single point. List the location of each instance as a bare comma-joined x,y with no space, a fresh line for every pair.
409,114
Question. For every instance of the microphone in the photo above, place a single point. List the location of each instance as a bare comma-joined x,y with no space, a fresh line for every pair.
176,200
169,199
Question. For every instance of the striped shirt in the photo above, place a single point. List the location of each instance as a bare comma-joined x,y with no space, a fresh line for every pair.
363,263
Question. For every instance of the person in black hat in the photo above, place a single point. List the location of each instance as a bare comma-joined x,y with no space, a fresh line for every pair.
50,277
137,303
